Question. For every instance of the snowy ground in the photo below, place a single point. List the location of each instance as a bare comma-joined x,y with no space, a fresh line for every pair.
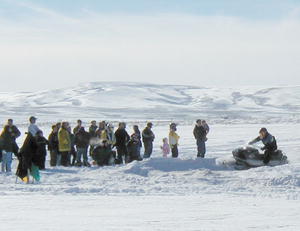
202,212
165,194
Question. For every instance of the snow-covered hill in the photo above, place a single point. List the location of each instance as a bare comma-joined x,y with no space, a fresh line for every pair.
136,101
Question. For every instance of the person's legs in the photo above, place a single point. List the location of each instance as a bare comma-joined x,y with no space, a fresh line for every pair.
74,156
174,151
201,148
85,157
3,163
138,151
120,154
79,154
267,156
9,161
58,163
53,158
126,156
43,162
148,149
65,159
6,161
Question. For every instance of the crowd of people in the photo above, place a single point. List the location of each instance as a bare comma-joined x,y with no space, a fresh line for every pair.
101,144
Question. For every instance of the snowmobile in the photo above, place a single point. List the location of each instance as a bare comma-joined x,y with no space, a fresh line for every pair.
249,156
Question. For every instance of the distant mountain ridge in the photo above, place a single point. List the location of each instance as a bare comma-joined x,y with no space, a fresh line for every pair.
139,101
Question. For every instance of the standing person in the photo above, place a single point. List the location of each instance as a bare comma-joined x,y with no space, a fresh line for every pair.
104,133
82,140
73,152
200,135
111,136
41,154
93,135
33,128
8,145
77,128
53,147
28,160
133,147
58,125
137,136
122,138
64,144
173,139
269,141
101,127
148,138
165,147
93,128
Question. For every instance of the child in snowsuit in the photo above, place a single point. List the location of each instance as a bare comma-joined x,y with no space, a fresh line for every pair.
165,147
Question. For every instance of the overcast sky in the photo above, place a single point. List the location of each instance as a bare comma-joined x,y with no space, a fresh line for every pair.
59,43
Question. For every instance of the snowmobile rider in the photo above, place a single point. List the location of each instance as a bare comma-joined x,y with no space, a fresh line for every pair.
269,141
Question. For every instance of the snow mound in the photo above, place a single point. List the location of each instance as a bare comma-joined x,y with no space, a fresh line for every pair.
172,165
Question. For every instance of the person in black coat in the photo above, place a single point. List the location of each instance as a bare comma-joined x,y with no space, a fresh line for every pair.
41,151
82,141
133,147
200,133
53,147
122,138
27,156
